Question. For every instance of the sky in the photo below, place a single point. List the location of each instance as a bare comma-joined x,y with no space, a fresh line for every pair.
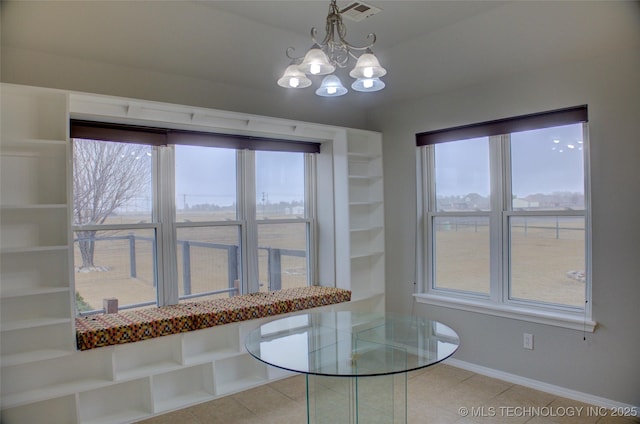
205,175
543,161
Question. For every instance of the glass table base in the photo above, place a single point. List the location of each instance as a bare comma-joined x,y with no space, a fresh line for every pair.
349,400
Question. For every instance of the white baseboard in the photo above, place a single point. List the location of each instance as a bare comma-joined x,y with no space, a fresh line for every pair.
539,385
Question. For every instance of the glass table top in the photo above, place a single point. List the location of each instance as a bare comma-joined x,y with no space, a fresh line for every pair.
352,344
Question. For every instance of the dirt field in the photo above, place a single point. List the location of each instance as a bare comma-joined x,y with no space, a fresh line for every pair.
547,261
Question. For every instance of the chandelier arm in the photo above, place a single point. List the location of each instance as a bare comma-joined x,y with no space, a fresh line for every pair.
368,46
324,42
339,55
289,54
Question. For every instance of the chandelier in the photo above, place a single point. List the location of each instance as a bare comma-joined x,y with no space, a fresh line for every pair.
333,52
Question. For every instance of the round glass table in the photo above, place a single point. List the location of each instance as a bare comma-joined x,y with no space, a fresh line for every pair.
355,363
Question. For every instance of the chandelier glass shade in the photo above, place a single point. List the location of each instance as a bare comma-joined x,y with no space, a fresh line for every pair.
334,52
293,77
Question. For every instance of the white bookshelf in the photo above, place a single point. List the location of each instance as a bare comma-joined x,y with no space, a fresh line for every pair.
35,254
366,213
44,377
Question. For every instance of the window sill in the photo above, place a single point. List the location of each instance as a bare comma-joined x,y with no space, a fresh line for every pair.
555,319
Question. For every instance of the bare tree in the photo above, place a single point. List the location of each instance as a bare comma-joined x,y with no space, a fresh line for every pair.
106,176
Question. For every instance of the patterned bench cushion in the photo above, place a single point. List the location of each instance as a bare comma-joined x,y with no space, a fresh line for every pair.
131,326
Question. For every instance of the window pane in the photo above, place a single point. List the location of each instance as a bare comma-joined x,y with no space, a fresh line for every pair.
548,260
462,253
282,256
209,261
279,185
111,182
548,168
462,175
114,264
205,184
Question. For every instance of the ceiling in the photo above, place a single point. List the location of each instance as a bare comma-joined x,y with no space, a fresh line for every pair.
426,46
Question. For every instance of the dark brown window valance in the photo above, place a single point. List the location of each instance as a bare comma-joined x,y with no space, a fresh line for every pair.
156,136
533,121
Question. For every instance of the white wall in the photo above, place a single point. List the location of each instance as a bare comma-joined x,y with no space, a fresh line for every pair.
41,69
607,364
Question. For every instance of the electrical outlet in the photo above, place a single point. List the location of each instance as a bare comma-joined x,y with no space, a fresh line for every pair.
528,341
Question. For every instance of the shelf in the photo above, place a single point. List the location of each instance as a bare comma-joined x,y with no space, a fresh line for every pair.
65,375
43,310
35,249
34,174
182,387
51,392
366,178
33,323
182,401
13,142
127,415
360,255
33,356
34,272
144,358
44,206
211,344
54,411
210,356
25,344
33,227
375,228
238,373
31,291
360,204
123,402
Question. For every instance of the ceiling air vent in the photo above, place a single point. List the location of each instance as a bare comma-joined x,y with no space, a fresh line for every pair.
357,11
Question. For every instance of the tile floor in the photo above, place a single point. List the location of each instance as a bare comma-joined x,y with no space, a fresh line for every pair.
437,394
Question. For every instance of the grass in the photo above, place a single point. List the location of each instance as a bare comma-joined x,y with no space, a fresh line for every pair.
542,257
209,267
81,304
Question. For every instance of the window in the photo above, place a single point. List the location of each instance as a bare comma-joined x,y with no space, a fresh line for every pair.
165,216
505,216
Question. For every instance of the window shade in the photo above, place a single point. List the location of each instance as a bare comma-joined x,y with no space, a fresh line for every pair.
155,136
533,121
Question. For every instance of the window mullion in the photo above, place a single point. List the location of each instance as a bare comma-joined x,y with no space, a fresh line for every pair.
498,152
311,215
587,217
164,179
429,180
247,211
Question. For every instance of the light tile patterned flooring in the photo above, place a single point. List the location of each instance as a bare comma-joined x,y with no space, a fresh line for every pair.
436,394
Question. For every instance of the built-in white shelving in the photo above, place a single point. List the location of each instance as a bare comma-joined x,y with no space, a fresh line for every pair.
44,377
366,213
36,309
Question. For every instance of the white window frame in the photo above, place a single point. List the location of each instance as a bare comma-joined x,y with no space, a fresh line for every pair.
165,225
497,303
